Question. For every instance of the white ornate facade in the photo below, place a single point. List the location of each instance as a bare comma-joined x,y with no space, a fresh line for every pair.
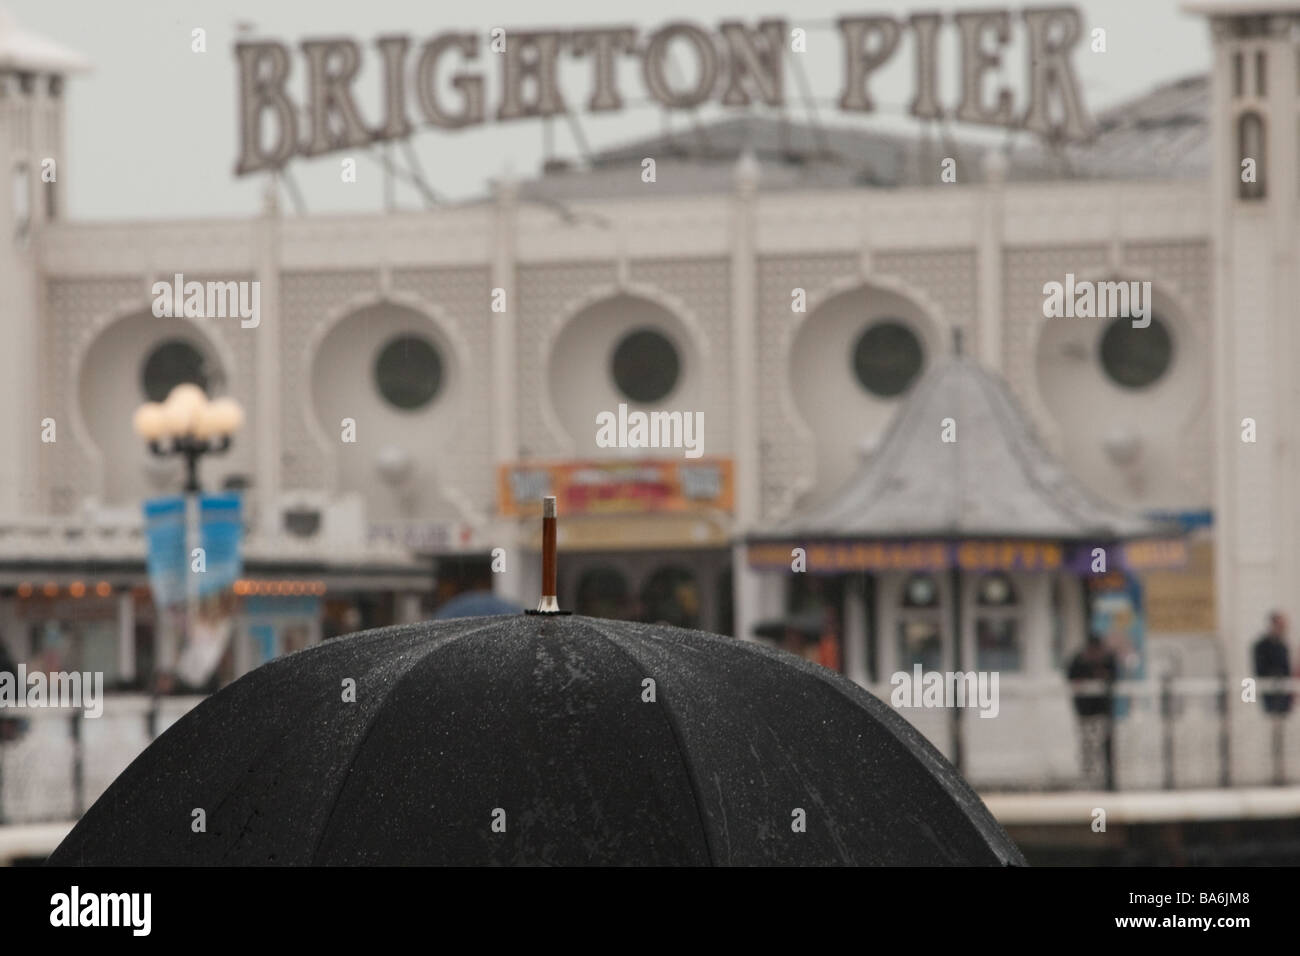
713,273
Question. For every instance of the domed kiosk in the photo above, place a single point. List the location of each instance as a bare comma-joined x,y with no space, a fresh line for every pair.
963,546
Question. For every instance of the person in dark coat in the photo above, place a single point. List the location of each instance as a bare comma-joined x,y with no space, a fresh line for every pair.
1095,662
11,728
1273,659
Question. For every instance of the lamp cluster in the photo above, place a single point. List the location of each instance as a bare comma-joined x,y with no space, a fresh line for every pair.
188,424
187,413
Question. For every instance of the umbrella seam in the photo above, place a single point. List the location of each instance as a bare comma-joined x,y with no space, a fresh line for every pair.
903,731
671,720
379,709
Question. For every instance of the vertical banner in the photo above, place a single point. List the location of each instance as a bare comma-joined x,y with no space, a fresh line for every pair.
208,556
164,524
223,533
219,565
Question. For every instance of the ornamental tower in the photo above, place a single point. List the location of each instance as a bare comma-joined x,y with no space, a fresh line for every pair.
1254,191
32,74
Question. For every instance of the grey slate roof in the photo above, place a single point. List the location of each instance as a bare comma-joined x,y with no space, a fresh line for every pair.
1161,135
995,480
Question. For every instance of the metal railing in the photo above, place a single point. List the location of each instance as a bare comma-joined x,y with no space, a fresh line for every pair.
1156,734
1180,733
1152,734
62,761
79,539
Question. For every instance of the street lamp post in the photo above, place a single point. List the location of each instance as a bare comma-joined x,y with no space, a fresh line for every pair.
187,424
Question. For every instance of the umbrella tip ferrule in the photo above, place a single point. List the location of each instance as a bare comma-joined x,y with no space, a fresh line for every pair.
549,604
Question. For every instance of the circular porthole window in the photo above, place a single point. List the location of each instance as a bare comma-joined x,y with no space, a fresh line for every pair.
887,358
171,363
408,372
645,365
1136,358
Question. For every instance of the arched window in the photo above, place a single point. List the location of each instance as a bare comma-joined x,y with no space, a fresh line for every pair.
1251,144
997,625
603,592
920,625
672,595
21,200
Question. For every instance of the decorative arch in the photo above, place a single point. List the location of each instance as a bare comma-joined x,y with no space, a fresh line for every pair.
437,318
1179,317
670,303
91,333
1182,408
932,311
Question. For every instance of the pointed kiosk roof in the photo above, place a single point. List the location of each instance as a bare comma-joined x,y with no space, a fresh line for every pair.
995,480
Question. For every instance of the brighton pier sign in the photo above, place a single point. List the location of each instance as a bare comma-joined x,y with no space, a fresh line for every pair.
737,65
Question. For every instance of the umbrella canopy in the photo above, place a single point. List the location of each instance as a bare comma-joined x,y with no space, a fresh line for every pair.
475,604
539,740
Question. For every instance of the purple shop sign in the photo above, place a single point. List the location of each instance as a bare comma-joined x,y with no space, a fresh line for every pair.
976,555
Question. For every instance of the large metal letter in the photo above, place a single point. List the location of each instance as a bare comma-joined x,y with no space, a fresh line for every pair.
657,51
859,62
976,61
396,125
603,44
762,61
329,95
544,47
470,86
263,68
925,27
1049,66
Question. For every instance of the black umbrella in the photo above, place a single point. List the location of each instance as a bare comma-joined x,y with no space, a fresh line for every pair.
539,740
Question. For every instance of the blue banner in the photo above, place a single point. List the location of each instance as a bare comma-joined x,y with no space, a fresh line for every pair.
223,531
164,528
169,558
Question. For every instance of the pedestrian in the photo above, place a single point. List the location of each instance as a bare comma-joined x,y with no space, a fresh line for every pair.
11,728
1096,663
1273,660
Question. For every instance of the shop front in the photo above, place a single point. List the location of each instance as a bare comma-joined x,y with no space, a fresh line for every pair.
641,540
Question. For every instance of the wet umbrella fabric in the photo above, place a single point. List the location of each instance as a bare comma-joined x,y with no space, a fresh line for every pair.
547,727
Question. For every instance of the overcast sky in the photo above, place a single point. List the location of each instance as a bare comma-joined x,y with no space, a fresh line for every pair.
152,129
